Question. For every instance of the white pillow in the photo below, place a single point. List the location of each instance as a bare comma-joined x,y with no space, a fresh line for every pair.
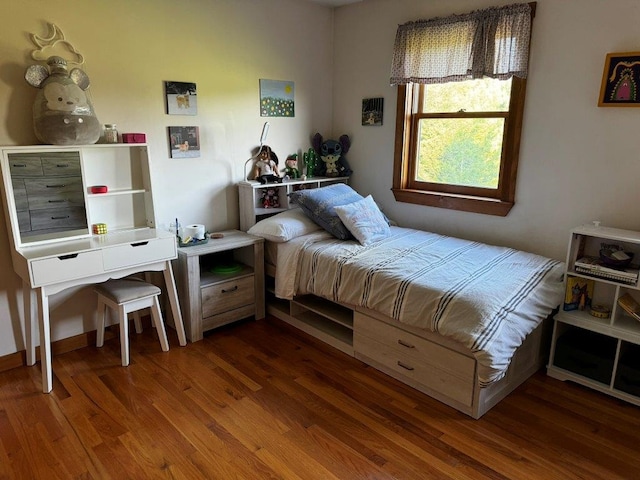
284,226
364,220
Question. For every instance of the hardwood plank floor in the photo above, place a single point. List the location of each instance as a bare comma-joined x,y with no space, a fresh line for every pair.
262,400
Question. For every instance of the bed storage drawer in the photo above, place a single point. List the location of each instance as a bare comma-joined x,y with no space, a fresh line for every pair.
423,362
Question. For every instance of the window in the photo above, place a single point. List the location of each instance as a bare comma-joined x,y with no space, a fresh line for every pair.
458,131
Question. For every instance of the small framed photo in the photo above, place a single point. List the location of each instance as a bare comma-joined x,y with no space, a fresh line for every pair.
181,98
620,80
372,109
184,142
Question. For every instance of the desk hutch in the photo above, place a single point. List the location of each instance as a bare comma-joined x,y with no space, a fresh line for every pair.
50,207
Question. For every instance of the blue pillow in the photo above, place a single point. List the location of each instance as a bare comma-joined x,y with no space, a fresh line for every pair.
364,220
319,203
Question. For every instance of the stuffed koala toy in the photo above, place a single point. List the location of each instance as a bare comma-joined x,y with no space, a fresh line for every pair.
62,112
331,153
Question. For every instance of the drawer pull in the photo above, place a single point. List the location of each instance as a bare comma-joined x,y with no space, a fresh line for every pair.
60,218
229,290
56,186
405,344
405,366
19,165
68,257
139,244
62,165
56,201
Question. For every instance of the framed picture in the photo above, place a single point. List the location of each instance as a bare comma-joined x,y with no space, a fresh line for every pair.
277,98
181,98
184,142
372,109
620,80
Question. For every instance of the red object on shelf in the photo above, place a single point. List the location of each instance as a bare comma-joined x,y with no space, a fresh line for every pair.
99,189
134,138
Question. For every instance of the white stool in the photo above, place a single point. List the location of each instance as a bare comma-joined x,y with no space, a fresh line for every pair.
123,297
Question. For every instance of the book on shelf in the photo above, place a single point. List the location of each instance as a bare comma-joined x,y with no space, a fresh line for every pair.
578,294
629,305
594,266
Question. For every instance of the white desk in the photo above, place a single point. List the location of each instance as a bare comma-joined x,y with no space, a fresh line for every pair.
50,268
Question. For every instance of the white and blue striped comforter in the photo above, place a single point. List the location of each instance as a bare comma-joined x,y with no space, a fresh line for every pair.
487,298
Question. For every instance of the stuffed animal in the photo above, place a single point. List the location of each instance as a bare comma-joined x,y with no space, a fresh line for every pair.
331,153
291,169
270,198
266,167
310,160
62,112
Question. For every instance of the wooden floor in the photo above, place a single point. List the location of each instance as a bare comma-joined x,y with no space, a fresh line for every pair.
260,400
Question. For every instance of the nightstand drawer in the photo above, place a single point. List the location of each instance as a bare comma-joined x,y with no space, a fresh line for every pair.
224,296
66,267
122,256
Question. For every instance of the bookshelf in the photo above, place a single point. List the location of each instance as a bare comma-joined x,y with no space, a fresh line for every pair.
596,340
251,194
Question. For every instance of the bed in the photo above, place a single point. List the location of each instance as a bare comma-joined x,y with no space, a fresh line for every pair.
461,321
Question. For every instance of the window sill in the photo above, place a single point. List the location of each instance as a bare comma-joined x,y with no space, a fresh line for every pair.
487,206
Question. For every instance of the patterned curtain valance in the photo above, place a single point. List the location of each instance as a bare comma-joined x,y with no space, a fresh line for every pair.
493,42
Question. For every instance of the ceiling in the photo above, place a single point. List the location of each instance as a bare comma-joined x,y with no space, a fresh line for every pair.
334,3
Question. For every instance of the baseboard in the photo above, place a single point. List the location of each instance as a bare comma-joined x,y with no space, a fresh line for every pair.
13,360
19,359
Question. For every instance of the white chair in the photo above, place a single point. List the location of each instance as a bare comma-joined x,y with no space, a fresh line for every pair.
129,296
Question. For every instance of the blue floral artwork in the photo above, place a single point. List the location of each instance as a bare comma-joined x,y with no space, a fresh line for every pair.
277,98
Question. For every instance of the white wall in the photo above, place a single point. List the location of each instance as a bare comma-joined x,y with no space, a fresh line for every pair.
131,48
578,162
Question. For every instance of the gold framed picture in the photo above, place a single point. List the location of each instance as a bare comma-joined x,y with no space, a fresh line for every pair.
620,80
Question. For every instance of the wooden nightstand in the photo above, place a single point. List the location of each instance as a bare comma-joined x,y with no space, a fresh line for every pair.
220,282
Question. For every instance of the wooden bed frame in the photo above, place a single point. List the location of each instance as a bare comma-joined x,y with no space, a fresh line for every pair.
435,365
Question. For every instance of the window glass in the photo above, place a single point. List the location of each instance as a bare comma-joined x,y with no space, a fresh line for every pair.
482,95
460,151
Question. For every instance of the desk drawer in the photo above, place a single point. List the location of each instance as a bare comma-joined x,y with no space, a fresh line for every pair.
136,253
63,164
20,194
66,267
25,165
58,218
224,296
54,192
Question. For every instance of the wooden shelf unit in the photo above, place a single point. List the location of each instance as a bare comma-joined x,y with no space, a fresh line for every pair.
250,194
600,353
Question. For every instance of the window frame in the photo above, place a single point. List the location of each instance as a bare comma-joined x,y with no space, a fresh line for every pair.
477,200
